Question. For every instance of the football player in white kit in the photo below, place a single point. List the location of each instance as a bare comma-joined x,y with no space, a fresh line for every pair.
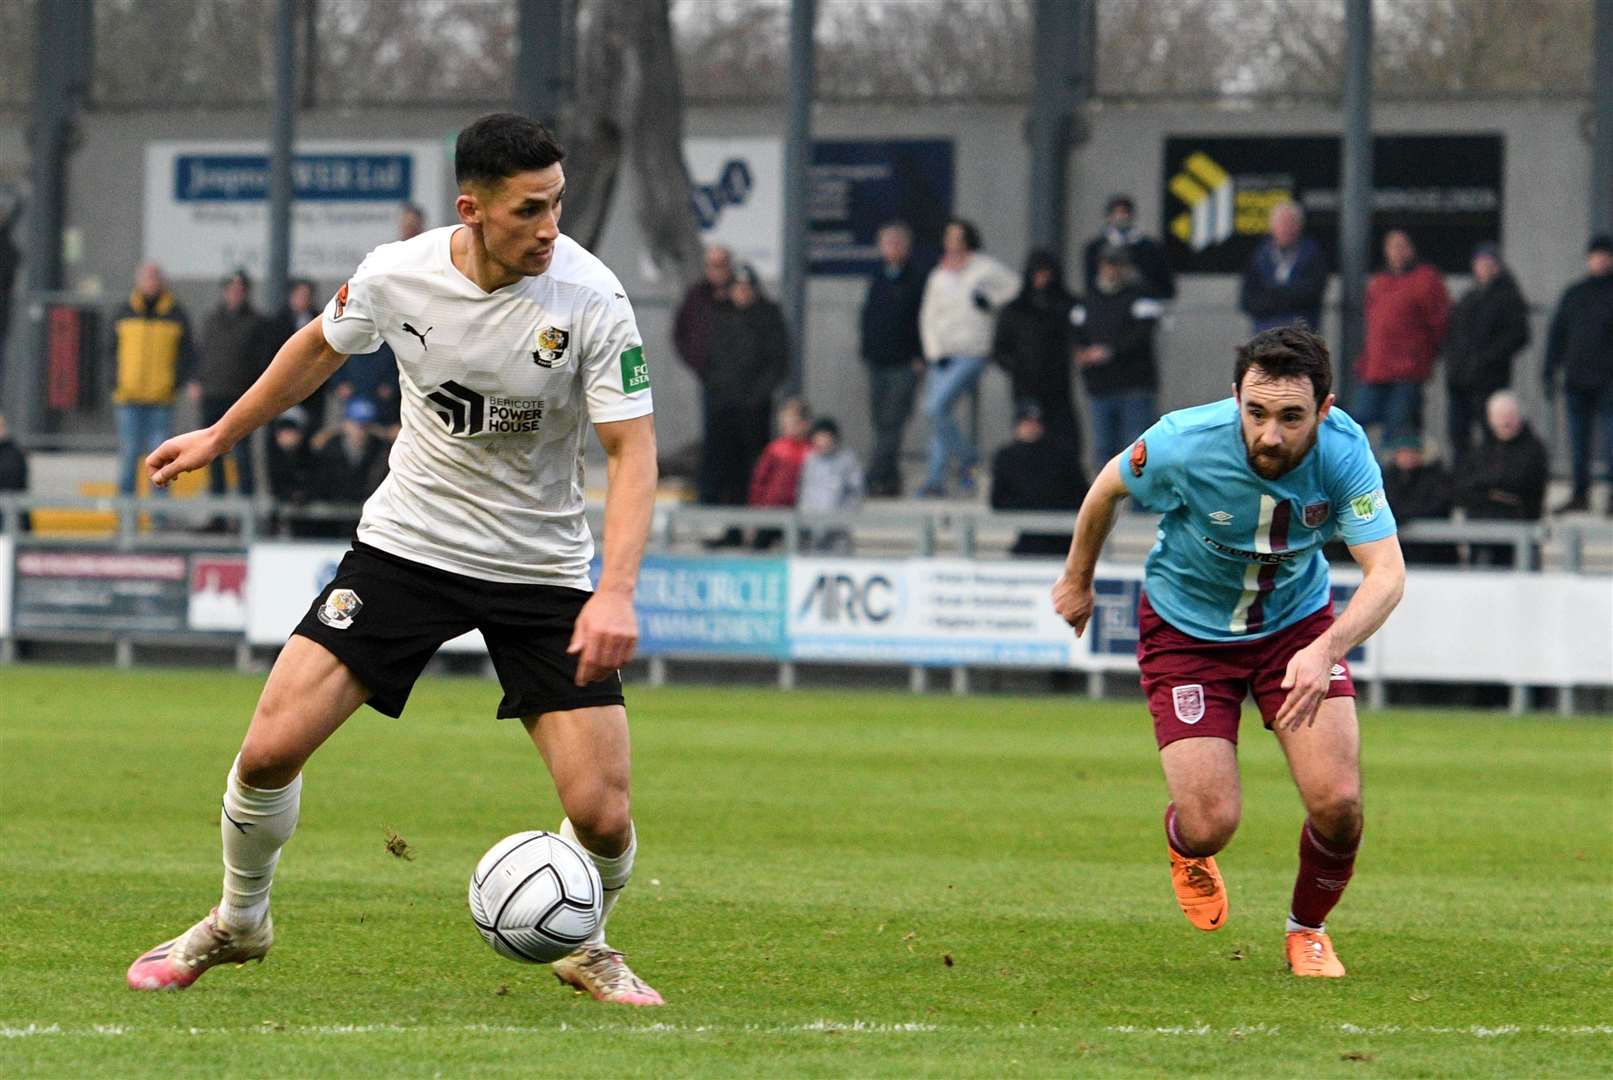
510,338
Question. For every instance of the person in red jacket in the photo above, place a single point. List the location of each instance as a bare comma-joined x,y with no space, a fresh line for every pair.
1407,311
777,475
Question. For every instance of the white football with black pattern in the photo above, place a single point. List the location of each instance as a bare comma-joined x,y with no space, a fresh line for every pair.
535,897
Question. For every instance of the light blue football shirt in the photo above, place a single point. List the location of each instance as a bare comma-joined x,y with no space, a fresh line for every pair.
1239,556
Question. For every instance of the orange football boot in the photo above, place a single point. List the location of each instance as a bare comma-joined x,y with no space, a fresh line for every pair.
1311,954
1199,890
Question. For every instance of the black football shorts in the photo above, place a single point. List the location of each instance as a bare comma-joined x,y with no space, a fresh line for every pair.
385,616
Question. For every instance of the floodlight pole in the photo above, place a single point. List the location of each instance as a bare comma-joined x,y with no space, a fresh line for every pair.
1602,111
61,83
1355,204
543,60
277,268
798,182
1061,81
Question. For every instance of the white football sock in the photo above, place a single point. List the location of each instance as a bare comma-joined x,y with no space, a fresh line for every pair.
613,873
1295,926
255,825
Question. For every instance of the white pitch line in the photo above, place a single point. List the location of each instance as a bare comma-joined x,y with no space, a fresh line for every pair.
1476,1031
867,1027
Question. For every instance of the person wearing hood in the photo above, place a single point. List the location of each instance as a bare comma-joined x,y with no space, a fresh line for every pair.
153,354
1114,335
1489,325
1033,344
748,361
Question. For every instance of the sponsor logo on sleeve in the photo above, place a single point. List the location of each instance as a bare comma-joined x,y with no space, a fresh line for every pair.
1316,514
635,371
1366,507
341,299
551,350
1189,702
1139,457
340,608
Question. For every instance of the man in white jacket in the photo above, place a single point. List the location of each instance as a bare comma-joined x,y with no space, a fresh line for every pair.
960,305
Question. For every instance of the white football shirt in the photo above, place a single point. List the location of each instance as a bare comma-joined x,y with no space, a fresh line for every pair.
486,477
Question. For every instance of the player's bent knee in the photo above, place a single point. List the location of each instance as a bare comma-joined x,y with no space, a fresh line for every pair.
1337,814
601,814
267,765
1207,827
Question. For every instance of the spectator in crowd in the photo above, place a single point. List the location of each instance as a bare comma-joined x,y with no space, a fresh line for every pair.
893,352
1147,255
1034,343
831,481
290,467
152,354
233,354
411,221
1489,324
956,317
1505,477
777,476
1580,346
13,471
778,471
1114,334
748,361
1407,311
349,463
691,329
1287,275
1417,487
373,378
1034,472
300,310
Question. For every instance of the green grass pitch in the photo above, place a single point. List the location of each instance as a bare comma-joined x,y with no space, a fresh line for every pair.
829,884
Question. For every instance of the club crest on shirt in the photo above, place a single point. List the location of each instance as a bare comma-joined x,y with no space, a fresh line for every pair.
341,300
551,350
1139,457
1189,702
1316,514
339,609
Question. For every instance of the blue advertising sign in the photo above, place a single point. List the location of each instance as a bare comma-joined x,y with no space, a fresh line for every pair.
860,184
1113,627
715,606
315,177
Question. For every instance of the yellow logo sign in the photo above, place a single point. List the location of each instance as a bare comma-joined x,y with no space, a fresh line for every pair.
1207,190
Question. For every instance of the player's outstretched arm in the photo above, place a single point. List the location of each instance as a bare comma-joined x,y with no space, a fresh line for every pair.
302,364
1383,581
606,632
1072,594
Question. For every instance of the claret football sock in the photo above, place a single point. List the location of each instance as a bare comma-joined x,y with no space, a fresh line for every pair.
613,873
255,825
1324,871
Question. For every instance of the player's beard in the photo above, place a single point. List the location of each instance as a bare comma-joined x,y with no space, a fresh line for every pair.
1272,464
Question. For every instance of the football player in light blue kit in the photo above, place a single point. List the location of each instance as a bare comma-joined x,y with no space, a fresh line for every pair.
1236,600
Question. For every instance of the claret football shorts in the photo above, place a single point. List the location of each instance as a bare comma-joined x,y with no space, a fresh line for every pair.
385,616
1196,688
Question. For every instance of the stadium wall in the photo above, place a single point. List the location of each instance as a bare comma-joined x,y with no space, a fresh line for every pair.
1544,214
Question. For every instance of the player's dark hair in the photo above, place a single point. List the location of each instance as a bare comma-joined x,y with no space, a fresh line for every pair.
971,235
499,145
1286,351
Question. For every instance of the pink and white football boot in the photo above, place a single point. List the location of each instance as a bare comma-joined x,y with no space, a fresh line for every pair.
176,964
